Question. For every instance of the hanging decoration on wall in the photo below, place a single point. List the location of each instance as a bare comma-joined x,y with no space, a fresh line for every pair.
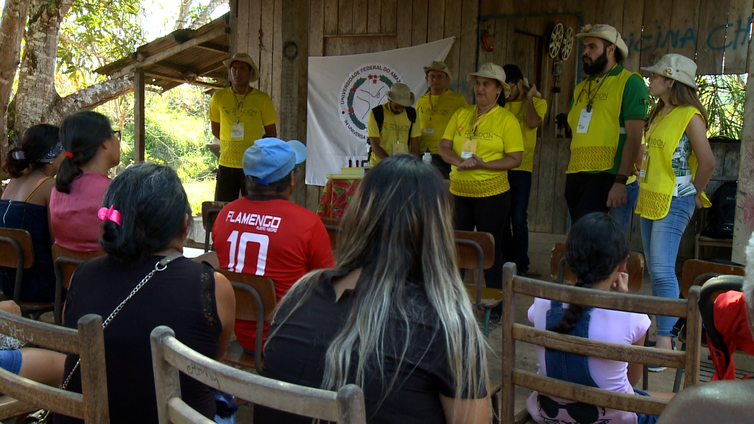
556,40
567,48
488,43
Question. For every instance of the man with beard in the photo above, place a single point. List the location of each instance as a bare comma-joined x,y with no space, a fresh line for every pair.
607,118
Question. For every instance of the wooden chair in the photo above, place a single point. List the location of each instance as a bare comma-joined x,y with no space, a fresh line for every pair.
512,332
346,406
476,251
91,405
16,251
65,262
696,272
710,290
332,225
561,272
255,301
210,210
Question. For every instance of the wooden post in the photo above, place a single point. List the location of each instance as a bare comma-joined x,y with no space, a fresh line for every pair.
139,101
745,196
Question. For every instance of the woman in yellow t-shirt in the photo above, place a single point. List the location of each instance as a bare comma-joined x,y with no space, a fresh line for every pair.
677,164
482,142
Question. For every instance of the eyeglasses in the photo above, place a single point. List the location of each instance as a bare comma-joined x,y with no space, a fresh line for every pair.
116,134
581,412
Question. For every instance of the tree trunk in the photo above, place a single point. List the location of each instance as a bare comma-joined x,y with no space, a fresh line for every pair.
205,14
12,27
87,98
183,12
36,79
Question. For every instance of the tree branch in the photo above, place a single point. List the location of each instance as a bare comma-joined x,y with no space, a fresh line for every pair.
206,13
183,12
88,98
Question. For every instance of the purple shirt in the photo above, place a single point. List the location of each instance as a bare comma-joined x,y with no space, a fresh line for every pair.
73,216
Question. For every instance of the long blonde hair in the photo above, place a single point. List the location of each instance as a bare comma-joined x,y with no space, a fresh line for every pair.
680,95
398,231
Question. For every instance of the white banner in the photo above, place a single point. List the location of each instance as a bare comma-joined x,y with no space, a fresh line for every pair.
342,91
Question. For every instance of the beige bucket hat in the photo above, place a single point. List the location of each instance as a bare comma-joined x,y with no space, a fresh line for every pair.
605,32
676,67
401,94
490,70
438,66
245,58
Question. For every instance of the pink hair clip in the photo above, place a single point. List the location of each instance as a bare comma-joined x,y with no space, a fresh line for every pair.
110,214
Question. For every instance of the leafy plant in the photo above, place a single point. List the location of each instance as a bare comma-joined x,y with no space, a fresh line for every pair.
723,96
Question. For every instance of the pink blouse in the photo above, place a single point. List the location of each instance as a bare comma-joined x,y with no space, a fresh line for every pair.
73,216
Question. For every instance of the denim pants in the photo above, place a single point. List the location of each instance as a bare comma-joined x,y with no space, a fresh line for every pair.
623,213
661,239
516,231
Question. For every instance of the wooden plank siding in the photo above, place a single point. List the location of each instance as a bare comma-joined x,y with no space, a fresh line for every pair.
709,30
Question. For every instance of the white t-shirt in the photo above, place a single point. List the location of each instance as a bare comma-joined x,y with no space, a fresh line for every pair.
605,325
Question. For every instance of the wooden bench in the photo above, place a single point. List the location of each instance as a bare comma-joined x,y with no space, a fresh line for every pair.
560,271
476,251
17,251
88,342
255,301
512,332
65,262
346,406
210,210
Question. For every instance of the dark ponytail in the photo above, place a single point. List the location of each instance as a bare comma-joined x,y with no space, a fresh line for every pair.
595,246
81,134
38,141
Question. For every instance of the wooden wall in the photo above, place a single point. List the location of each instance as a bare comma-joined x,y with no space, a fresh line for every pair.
711,30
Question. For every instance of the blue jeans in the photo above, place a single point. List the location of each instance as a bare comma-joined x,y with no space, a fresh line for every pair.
623,213
516,231
661,239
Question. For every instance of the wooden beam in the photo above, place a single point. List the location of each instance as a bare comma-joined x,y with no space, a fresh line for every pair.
139,101
182,81
744,221
214,47
219,32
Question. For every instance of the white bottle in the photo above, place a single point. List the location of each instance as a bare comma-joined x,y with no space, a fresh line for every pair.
427,157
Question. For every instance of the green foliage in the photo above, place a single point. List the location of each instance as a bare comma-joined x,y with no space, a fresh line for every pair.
723,96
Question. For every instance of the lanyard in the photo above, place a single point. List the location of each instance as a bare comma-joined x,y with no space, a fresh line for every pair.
476,119
391,115
656,123
589,96
439,99
239,105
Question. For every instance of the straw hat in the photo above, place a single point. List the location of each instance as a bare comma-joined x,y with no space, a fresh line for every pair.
438,66
401,94
605,32
245,58
676,67
490,70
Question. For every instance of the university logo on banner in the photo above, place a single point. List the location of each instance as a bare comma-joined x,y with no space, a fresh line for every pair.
365,88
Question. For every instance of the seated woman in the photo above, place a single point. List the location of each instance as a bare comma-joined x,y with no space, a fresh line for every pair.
92,148
146,220
597,252
24,204
393,316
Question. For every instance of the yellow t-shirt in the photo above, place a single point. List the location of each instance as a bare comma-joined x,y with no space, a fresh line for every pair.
519,109
434,113
394,134
255,113
497,133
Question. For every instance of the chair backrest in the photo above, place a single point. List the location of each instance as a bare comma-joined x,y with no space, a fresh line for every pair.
512,332
87,342
696,272
476,251
210,210
561,272
16,251
65,262
346,406
332,225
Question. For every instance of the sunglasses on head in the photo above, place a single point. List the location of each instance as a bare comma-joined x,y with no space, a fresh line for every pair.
581,412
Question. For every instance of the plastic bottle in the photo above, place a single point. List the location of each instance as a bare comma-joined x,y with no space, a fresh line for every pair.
427,157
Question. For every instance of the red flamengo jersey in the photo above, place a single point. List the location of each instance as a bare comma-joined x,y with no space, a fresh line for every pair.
271,237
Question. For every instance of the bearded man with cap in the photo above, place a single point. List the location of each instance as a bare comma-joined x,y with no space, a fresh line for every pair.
607,119
435,108
266,234
392,126
239,114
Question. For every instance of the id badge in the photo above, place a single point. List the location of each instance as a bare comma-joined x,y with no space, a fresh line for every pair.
236,131
584,119
469,148
399,148
644,167
429,126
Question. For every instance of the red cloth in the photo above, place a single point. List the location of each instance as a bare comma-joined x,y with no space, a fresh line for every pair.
729,312
336,197
272,237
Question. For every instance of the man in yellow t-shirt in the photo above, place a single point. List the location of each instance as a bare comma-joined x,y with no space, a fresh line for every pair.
435,108
527,105
397,133
239,115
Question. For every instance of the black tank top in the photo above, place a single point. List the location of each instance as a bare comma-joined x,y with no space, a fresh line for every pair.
181,297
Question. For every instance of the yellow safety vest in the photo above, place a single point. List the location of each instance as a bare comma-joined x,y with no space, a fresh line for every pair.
595,149
663,136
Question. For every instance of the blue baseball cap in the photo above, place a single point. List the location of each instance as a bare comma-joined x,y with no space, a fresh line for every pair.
271,159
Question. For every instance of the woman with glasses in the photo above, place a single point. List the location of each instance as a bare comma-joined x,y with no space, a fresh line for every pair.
92,148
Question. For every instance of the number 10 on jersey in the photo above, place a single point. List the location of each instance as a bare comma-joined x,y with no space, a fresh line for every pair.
237,256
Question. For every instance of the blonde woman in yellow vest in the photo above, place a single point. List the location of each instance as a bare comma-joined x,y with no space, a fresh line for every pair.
481,143
676,167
